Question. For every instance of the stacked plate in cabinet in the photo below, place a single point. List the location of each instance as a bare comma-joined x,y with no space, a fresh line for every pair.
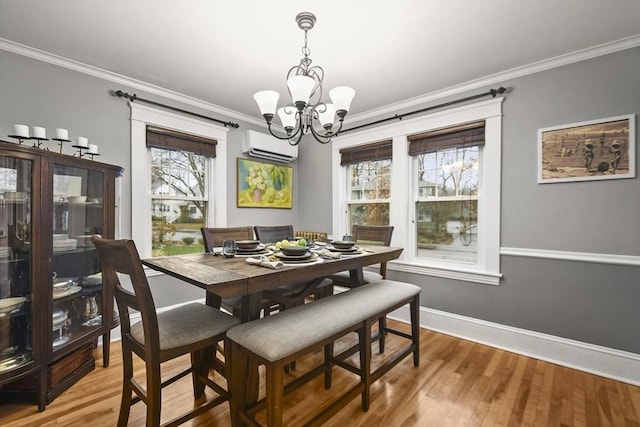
5,251
62,242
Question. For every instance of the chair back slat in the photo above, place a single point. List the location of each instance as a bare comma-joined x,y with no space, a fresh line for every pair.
273,233
214,236
373,234
121,258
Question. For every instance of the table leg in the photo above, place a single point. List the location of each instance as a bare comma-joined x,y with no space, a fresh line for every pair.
356,277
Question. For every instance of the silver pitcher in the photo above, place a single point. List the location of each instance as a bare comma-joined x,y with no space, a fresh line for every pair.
90,309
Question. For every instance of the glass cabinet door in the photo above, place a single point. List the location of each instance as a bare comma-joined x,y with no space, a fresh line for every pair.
76,278
16,314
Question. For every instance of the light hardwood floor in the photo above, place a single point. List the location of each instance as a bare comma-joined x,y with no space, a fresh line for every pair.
458,383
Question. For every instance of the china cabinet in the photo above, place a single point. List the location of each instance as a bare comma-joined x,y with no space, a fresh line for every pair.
53,303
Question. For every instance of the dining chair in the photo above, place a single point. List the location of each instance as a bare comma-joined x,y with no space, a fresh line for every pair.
214,237
273,233
367,235
193,329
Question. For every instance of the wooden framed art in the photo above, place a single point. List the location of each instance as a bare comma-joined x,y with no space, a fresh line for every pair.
585,151
264,185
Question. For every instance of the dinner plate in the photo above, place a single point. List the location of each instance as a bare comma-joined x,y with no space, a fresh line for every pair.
72,290
257,249
301,257
313,260
334,249
261,252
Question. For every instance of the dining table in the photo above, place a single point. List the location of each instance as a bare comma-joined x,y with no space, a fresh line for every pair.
223,277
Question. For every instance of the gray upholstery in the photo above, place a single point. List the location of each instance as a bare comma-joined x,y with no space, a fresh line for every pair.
187,324
290,331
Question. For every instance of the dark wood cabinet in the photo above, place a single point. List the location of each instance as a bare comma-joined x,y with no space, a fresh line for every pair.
53,303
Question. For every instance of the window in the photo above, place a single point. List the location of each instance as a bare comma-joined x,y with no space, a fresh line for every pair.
446,176
369,185
180,173
443,193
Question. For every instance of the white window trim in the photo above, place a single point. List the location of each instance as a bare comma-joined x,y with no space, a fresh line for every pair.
141,116
402,214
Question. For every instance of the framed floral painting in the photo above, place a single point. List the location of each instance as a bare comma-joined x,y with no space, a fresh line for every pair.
264,185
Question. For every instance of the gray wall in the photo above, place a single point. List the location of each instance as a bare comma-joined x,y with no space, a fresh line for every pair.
590,302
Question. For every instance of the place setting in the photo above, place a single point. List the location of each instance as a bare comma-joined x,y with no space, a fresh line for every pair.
343,247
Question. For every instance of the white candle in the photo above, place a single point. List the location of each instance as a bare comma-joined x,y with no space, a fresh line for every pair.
62,134
93,149
83,141
39,132
21,130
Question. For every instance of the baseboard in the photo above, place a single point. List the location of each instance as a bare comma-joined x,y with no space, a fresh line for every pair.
598,360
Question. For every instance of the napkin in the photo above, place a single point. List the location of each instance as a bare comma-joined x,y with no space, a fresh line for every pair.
325,253
264,262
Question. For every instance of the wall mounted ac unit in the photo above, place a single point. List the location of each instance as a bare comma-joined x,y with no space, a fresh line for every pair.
265,146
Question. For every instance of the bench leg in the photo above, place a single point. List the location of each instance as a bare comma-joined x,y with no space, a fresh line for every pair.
328,365
364,344
382,330
275,393
415,329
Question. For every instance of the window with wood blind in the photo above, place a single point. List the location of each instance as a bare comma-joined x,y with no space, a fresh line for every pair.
178,174
369,184
446,164
442,194
179,193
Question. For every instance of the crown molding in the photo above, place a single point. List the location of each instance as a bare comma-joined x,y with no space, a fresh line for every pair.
499,78
547,64
119,79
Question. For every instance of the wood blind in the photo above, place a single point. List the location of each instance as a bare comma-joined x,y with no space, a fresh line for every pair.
381,150
465,135
171,140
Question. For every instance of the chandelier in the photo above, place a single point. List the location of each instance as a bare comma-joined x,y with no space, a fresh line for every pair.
304,82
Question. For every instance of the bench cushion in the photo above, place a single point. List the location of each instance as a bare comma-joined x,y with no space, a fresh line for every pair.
281,335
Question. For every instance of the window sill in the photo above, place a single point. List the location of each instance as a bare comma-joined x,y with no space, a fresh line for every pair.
462,274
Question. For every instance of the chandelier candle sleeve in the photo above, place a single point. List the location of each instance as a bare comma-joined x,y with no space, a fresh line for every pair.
21,131
62,134
39,132
93,149
83,142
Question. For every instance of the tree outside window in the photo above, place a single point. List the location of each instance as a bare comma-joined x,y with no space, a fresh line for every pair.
178,189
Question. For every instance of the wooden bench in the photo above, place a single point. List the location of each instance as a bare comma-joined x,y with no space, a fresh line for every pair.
276,341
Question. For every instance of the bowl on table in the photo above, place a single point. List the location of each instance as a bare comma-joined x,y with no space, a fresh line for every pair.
294,250
342,244
247,245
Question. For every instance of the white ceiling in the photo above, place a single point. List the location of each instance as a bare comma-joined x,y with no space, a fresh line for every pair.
221,52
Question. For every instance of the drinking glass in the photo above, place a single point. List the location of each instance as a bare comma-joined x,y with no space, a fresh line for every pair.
229,248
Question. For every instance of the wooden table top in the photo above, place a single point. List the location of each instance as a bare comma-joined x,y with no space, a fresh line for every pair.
232,277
